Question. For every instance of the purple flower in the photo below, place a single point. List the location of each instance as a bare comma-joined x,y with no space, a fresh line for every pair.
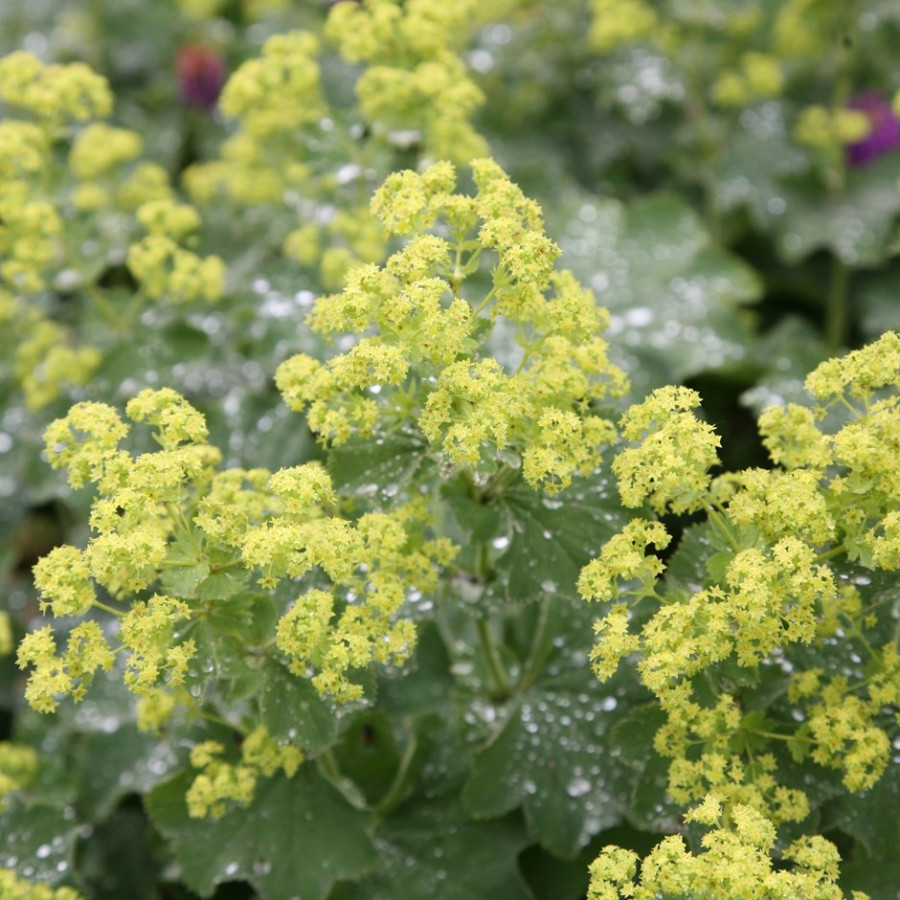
201,74
884,134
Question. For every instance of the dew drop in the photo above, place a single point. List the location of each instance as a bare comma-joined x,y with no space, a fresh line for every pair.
578,787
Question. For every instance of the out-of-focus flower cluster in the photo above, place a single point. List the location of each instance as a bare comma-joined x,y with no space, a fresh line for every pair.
101,189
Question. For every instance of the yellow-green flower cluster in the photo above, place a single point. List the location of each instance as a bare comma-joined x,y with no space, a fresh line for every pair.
63,579
830,129
18,765
56,675
14,887
844,726
45,363
30,230
167,271
375,561
859,374
768,600
54,94
169,510
623,557
770,587
619,22
24,148
806,28
278,104
427,334
669,467
278,92
857,461
96,180
758,76
720,768
222,784
100,148
414,79
133,521
6,633
778,503
146,632
736,862
166,217
283,526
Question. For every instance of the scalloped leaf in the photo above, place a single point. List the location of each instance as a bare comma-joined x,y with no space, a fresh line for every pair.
539,543
548,755
293,842
433,849
293,710
38,840
673,296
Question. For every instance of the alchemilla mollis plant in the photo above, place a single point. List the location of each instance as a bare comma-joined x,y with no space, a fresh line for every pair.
383,519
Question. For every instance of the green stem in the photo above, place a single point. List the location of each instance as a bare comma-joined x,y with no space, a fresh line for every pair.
836,303
783,737
133,311
535,654
108,609
830,554
218,720
105,308
395,792
329,767
721,524
484,302
836,308
502,688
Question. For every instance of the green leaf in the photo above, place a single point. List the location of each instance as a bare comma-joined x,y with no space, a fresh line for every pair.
223,667
878,880
426,685
673,296
787,354
222,586
124,761
433,849
855,224
38,840
118,860
757,158
549,754
428,698
379,467
369,753
480,520
294,841
550,539
876,305
184,581
293,710
871,816
688,567
642,771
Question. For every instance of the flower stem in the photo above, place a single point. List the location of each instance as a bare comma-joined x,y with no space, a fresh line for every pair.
492,658
395,792
836,308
